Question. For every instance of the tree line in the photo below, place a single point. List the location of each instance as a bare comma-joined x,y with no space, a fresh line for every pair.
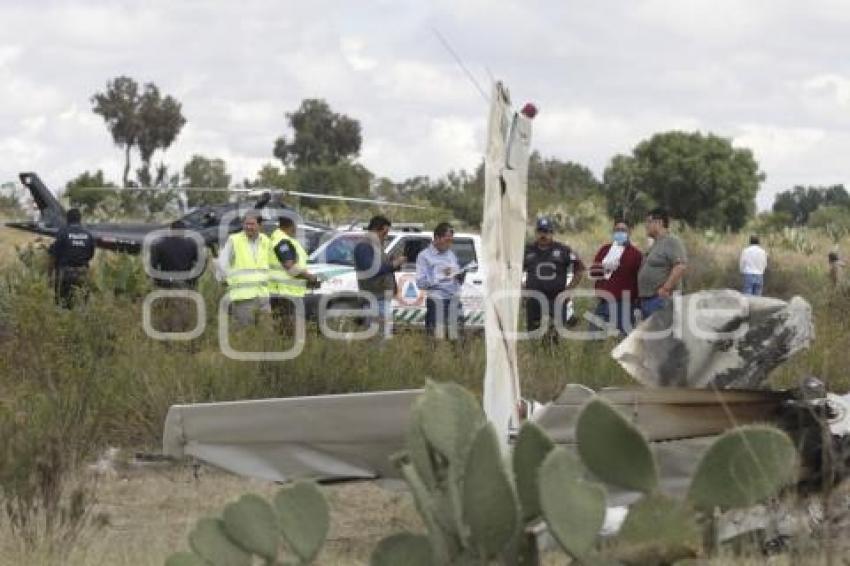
701,178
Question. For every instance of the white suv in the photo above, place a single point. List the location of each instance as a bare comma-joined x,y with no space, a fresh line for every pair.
333,262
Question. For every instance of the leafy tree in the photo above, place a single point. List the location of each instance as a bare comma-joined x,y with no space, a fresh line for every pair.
834,220
138,119
321,136
10,200
461,193
82,191
551,182
208,173
699,178
270,176
622,181
346,179
800,202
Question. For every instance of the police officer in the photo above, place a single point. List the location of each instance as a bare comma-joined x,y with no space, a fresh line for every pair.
288,274
244,261
72,251
547,264
173,255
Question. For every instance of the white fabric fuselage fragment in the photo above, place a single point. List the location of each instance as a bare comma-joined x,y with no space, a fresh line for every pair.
503,235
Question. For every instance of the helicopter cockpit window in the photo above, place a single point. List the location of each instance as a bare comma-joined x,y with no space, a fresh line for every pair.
197,218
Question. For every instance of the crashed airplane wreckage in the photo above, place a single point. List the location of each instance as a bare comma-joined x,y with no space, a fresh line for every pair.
694,387
352,436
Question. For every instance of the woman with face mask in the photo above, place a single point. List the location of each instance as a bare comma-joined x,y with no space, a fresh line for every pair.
615,268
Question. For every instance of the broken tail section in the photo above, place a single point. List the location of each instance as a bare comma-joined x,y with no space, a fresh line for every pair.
52,212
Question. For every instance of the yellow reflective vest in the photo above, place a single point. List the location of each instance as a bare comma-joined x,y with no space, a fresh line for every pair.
281,282
248,277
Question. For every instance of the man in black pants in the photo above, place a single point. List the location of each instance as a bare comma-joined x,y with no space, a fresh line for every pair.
72,251
173,254
547,264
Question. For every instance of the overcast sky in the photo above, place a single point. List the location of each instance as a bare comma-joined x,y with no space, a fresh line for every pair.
773,75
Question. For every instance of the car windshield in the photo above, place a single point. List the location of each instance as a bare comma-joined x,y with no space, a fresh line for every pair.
339,251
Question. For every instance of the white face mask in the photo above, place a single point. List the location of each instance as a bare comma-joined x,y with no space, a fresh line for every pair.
650,241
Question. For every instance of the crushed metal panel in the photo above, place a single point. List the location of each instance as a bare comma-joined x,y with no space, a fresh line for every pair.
664,414
324,437
716,338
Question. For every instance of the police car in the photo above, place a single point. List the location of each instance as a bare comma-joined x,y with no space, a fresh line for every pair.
333,262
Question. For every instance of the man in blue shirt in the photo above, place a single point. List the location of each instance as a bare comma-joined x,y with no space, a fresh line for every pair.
439,275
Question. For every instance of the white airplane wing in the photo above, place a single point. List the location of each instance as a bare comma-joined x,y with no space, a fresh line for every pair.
326,437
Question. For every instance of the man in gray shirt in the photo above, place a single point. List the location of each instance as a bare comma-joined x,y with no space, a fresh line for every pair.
663,266
438,273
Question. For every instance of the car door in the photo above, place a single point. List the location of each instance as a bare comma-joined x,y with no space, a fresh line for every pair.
409,301
472,291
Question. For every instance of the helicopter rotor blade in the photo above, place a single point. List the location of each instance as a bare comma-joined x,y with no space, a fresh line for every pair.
258,191
354,199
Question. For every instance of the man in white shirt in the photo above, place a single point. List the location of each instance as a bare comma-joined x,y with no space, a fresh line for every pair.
439,274
753,263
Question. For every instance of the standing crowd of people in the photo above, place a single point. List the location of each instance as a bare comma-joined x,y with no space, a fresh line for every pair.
269,274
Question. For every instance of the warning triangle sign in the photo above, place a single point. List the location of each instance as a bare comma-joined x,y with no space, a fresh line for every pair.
410,291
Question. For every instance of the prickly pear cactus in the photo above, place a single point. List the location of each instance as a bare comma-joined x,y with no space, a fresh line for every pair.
185,559
531,448
574,508
743,467
403,548
614,449
252,524
304,518
658,530
251,527
490,506
448,416
210,541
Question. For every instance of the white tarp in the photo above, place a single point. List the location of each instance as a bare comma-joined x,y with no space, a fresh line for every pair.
503,235
324,437
716,338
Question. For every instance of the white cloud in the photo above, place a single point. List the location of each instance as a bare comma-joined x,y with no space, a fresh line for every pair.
353,51
832,88
773,144
605,76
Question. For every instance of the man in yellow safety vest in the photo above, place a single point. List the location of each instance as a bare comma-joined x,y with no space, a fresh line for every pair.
288,275
244,260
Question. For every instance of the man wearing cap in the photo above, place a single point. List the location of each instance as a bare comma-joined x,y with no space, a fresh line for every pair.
547,264
289,277
663,266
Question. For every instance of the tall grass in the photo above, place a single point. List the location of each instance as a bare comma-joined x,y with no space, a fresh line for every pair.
75,382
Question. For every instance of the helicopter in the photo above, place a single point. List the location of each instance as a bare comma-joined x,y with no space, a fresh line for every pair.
210,221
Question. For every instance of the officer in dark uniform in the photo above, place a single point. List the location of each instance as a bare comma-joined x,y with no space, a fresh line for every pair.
71,252
547,264
175,253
